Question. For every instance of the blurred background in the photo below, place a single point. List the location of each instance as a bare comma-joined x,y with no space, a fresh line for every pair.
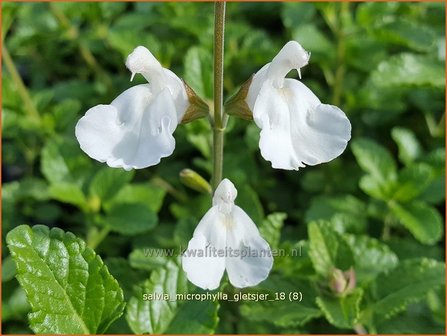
383,64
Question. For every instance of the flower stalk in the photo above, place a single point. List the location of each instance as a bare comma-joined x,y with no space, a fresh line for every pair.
219,119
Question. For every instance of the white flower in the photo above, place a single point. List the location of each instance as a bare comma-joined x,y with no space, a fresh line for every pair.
135,130
296,128
226,238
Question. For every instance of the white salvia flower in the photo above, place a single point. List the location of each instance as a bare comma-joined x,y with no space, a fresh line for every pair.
296,128
226,239
135,130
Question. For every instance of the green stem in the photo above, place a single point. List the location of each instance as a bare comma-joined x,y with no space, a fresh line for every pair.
30,109
341,51
95,237
219,119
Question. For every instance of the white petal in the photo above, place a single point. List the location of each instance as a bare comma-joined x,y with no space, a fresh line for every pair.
203,264
252,259
296,128
319,134
224,196
134,131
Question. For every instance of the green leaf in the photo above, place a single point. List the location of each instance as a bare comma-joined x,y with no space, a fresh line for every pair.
328,249
345,212
408,248
270,228
342,312
409,146
423,221
416,320
292,13
8,269
371,257
130,218
283,313
405,32
64,162
147,194
375,188
154,316
409,70
407,283
70,193
199,71
412,181
311,38
195,317
16,306
149,258
68,286
108,182
126,276
374,159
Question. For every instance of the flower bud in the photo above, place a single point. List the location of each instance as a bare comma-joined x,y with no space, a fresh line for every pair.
194,181
342,283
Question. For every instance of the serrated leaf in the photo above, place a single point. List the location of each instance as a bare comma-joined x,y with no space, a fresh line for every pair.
68,286
409,70
409,146
130,218
126,276
408,282
270,228
371,257
283,313
195,317
423,221
154,316
328,249
374,159
416,320
342,312
108,182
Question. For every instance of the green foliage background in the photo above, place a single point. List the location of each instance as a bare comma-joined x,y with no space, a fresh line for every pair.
377,208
